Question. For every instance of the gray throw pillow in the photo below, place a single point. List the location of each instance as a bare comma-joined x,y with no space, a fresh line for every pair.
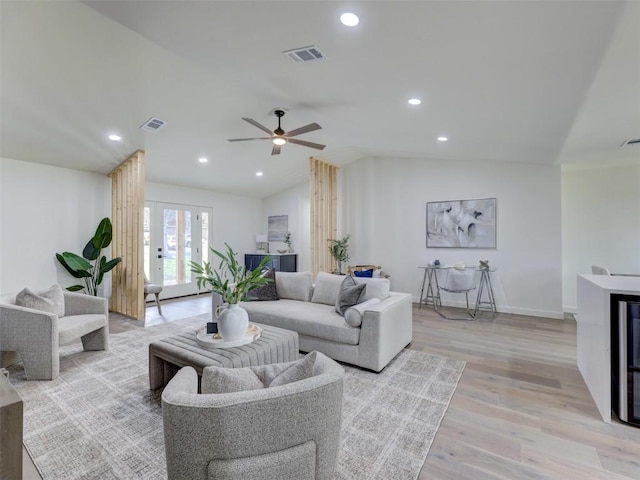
266,292
50,300
349,294
227,380
300,370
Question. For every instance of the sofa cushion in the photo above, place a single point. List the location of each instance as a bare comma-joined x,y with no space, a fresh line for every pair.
265,292
376,288
353,315
294,285
306,318
349,294
50,300
72,327
326,288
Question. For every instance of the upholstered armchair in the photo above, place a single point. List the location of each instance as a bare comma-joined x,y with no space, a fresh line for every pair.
35,335
288,432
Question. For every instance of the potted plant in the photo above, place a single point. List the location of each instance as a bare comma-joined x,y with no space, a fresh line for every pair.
232,281
339,250
81,267
289,242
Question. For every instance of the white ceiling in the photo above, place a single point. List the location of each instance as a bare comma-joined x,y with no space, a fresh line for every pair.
520,81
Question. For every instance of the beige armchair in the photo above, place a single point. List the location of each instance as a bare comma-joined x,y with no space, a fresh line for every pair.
288,432
36,335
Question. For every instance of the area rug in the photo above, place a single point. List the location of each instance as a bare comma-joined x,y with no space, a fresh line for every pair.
99,420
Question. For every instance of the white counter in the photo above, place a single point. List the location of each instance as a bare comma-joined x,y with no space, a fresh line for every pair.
594,333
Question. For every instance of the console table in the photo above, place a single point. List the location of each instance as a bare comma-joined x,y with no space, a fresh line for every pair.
430,293
286,262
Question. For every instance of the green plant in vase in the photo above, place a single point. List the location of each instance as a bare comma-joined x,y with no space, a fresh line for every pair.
233,282
339,250
289,242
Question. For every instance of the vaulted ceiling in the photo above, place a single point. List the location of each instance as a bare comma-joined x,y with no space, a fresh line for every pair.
520,81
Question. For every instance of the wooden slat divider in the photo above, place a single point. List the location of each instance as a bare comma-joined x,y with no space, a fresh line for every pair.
324,200
128,215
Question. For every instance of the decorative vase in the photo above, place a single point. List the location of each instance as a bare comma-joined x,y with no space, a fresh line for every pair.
233,323
290,249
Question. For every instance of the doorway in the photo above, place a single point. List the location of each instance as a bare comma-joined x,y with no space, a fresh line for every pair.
175,235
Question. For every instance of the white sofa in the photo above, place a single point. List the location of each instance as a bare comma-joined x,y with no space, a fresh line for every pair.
386,318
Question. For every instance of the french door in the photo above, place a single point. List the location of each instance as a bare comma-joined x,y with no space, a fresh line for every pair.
175,235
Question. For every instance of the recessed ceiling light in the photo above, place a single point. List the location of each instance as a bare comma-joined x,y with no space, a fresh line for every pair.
442,139
258,174
415,101
203,160
349,19
115,138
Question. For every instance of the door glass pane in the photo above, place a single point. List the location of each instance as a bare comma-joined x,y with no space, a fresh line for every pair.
147,242
205,236
177,243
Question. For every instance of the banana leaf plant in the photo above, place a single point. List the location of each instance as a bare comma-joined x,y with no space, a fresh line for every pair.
91,274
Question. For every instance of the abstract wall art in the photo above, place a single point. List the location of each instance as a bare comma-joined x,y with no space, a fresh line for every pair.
462,223
278,227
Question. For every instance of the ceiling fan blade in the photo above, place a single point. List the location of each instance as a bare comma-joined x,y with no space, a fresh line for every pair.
276,150
307,144
307,128
244,139
259,125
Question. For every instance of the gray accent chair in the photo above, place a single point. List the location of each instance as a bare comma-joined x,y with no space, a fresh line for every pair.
35,335
288,432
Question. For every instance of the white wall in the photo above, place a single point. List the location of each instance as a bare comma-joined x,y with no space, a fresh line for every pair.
600,222
293,202
45,210
383,205
236,219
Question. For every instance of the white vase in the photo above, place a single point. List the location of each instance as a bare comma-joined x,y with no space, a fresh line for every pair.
233,323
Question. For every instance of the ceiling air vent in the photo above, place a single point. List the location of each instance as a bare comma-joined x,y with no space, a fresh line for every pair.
631,141
305,54
153,124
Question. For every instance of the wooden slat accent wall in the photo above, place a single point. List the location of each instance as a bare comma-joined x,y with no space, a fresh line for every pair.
324,201
127,199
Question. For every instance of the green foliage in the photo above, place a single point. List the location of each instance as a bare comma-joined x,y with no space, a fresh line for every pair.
339,249
287,239
81,267
230,279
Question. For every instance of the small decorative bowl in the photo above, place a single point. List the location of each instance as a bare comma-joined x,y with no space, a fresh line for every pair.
282,251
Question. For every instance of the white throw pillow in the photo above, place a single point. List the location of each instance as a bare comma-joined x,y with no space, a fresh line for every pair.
327,288
354,315
50,300
294,285
376,288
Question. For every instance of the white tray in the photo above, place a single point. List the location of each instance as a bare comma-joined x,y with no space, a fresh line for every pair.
213,341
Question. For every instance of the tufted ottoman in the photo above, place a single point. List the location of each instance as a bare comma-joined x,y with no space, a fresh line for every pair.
167,356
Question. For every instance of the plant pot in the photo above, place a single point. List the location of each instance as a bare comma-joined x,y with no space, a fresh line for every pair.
233,323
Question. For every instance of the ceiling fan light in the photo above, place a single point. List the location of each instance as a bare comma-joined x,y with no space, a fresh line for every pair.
279,140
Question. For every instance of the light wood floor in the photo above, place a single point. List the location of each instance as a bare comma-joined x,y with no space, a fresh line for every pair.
521,409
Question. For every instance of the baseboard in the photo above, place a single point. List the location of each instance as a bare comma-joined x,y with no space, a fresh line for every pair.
507,309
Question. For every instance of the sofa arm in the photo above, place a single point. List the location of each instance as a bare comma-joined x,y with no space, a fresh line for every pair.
80,304
387,327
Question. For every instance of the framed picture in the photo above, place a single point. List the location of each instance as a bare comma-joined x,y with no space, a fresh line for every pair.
462,223
278,227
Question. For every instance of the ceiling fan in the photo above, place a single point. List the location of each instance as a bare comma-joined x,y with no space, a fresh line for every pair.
279,137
